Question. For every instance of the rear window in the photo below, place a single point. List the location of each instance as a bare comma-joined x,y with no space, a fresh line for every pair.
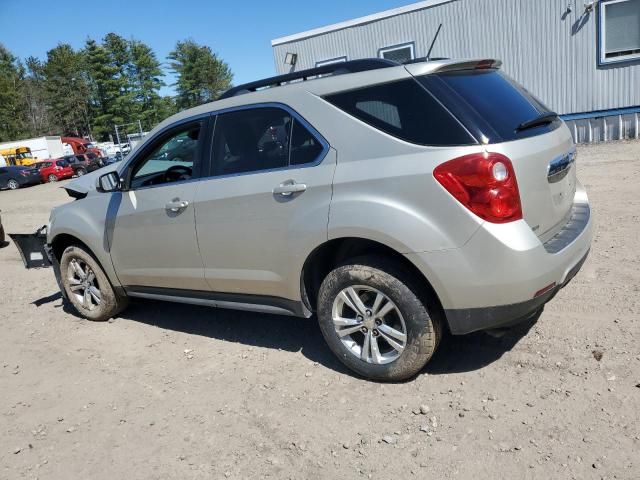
490,101
405,110
62,163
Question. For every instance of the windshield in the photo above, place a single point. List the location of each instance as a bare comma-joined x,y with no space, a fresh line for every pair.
23,155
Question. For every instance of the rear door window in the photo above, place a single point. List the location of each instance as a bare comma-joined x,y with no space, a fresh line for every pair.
406,110
305,147
259,139
491,100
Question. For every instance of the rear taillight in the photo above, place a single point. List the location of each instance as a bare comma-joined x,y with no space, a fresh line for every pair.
485,183
24,173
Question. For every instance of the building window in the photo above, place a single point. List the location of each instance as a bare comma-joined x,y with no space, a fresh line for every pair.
331,61
399,53
619,31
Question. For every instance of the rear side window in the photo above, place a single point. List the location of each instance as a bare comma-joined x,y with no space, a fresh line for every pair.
259,139
62,163
491,101
305,147
405,110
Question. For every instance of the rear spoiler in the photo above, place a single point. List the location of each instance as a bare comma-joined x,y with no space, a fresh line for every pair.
441,66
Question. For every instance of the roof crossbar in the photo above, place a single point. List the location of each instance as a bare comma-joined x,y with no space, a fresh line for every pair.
352,66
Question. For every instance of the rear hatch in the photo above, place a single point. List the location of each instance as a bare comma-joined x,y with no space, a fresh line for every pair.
509,120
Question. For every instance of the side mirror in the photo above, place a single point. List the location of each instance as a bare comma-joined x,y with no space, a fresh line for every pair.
109,182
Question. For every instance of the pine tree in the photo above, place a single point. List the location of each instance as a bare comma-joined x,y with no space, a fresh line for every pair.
12,99
119,59
146,77
35,97
202,75
67,90
103,88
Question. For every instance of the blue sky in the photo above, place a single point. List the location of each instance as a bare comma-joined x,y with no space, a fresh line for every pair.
239,31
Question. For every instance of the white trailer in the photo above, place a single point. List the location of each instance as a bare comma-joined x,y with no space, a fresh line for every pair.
42,148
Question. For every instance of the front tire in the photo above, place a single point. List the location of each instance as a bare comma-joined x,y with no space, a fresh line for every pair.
81,172
87,286
13,184
373,319
53,178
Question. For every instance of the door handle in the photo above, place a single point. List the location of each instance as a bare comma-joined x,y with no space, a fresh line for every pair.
176,205
289,188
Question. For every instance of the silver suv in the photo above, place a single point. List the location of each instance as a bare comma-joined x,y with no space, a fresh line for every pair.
393,201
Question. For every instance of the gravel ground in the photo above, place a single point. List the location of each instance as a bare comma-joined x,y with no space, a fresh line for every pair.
173,391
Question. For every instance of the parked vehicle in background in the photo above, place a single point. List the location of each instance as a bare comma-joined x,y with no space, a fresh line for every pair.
54,170
41,148
14,177
82,164
2,235
18,156
82,146
95,158
394,201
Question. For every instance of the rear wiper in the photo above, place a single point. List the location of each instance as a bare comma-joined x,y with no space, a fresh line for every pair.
543,119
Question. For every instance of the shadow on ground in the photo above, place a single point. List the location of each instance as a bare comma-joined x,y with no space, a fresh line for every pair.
455,354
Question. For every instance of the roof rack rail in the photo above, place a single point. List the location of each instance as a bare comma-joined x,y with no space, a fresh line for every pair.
352,66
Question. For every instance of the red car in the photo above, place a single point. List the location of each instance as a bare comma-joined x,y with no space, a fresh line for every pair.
54,170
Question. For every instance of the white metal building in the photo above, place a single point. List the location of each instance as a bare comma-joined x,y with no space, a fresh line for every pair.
580,57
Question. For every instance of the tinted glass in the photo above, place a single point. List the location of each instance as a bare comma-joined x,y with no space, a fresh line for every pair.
405,110
400,55
305,147
172,159
251,140
62,163
489,97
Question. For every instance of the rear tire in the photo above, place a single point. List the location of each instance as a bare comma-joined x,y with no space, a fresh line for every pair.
81,172
13,184
53,178
405,335
87,286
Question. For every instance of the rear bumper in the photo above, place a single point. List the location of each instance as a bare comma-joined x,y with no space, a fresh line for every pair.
31,180
505,273
468,320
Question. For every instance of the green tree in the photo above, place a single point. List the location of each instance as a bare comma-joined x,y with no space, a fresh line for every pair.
146,78
202,75
35,98
12,100
67,90
102,86
119,59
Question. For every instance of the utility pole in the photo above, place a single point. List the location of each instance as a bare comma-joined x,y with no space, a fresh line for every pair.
118,138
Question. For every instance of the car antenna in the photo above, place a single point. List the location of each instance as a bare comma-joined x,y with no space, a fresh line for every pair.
433,42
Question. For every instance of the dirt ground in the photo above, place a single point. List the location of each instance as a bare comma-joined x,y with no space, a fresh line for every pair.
175,391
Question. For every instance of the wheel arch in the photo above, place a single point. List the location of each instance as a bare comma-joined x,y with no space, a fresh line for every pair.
63,240
334,252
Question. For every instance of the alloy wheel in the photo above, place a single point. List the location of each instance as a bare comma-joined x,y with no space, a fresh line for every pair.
13,185
83,284
53,178
369,324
